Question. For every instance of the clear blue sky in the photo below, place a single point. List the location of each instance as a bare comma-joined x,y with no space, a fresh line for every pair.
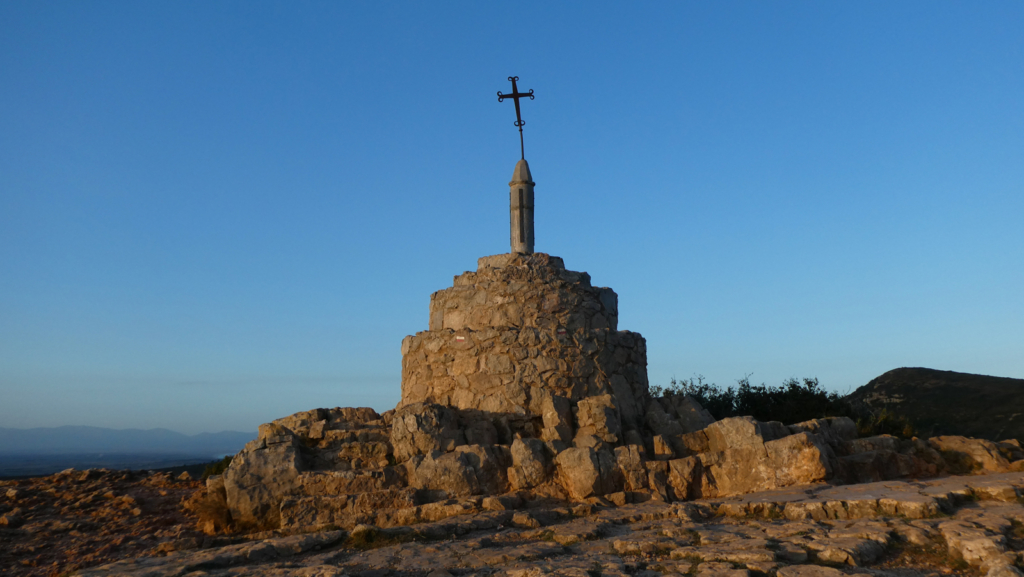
214,214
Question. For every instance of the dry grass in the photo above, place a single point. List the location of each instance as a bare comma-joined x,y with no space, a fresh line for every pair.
213,513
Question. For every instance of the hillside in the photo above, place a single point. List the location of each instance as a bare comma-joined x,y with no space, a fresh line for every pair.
949,403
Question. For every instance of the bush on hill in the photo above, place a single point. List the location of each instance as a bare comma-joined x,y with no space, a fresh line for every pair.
217,467
791,402
885,422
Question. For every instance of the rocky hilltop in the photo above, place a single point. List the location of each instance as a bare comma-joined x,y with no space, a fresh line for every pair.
527,443
959,526
949,403
524,389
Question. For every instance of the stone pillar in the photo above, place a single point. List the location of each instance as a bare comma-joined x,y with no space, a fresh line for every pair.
521,193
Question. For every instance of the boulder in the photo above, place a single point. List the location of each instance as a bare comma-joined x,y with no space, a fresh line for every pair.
744,469
738,432
420,428
448,472
685,477
215,486
480,431
657,479
869,466
630,463
584,472
1011,449
690,444
690,415
468,470
661,449
530,464
259,477
762,457
556,416
598,416
927,460
298,424
799,459
835,431
659,422
876,443
313,423
490,465
965,455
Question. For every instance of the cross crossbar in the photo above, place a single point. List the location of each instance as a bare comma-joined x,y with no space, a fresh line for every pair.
515,95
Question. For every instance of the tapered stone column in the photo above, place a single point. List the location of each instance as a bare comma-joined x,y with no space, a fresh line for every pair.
521,193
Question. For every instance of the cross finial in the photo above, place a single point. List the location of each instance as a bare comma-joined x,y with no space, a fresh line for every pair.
516,95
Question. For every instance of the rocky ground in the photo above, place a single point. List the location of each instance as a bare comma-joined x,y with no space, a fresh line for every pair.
970,525
54,525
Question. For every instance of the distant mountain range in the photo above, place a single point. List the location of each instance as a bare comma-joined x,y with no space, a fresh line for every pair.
72,439
30,452
949,403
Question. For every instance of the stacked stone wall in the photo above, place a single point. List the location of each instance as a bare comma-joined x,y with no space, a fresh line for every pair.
513,371
523,291
518,331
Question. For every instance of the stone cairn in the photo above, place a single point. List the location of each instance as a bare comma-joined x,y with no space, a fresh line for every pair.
523,390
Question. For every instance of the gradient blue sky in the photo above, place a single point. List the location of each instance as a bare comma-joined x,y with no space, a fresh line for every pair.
214,214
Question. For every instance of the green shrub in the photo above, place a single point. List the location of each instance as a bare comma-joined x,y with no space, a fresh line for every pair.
217,467
885,422
792,402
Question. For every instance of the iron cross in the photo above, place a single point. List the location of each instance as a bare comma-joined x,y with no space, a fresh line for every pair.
516,95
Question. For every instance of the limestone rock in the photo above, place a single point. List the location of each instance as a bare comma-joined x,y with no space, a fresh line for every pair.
418,429
215,486
479,430
799,459
312,424
964,454
661,449
869,466
686,478
530,464
658,421
599,416
813,571
298,424
657,479
835,431
259,477
556,416
876,443
630,463
974,544
468,470
690,443
752,464
585,472
738,432
690,415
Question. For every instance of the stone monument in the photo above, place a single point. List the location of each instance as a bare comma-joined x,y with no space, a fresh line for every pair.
521,389
524,341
